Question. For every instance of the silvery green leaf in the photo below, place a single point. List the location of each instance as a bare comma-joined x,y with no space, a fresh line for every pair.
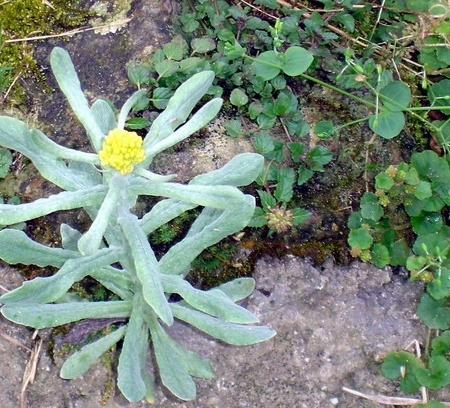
179,107
69,83
194,364
238,288
15,135
241,170
146,265
80,361
66,200
232,333
69,237
174,375
17,247
92,239
209,228
202,117
224,197
40,316
44,143
132,357
104,115
213,302
127,106
50,289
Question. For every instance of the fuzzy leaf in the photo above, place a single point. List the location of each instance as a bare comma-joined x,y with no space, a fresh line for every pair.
66,200
16,247
239,335
80,361
147,268
213,302
69,83
40,316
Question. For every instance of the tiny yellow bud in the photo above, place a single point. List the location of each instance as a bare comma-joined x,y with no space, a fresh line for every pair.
121,150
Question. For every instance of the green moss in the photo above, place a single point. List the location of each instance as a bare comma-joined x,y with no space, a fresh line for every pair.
29,18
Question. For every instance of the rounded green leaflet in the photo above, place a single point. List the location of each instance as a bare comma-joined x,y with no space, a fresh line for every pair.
296,61
387,124
238,97
396,96
360,238
267,65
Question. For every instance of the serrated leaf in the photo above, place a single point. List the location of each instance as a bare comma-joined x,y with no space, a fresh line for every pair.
202,45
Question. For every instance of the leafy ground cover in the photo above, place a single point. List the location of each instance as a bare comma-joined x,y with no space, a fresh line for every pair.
348,102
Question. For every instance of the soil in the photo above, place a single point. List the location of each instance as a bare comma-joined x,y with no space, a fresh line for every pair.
334,321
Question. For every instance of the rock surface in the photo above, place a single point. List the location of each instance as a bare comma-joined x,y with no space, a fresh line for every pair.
332,322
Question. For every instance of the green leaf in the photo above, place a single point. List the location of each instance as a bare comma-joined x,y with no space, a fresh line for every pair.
138,73
16,247
396,96
176,50
324,129
265,121
434,313
387,124
304,174
130,379
238,288
238,97
439,95
137,123
318,157
213,302
360,238
66,200
370,209
263,143
402,365
300,215
423,190
146,265
437,375
383,181
5,162
199,119
160,97
440,345
427,223
267,200
232,333
202,45
295,61
439,287
80,361
172,371
166,68
40,316
297,151
50,289
285,182
69,84
282,104
267,65
380,255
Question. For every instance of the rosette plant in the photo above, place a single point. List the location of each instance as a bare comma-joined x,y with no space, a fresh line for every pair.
115,249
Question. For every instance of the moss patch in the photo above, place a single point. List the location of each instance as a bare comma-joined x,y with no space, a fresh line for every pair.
30,18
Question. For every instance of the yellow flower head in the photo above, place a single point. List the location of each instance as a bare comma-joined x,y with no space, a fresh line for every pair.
121,150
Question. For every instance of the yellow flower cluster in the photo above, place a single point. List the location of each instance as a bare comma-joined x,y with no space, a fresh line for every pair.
121,150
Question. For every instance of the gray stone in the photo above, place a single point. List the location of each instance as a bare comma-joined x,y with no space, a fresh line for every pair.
332,324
